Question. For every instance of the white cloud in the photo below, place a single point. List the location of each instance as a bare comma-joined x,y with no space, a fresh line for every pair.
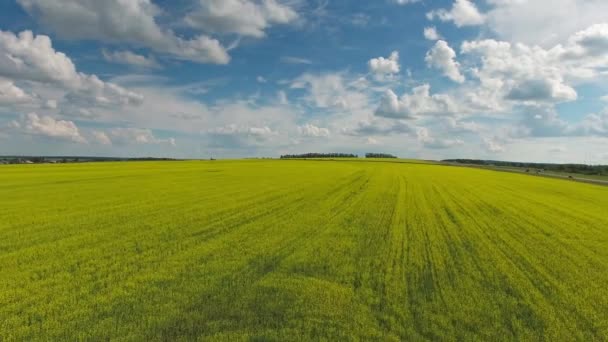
372,141
405,2
32,58
558,149
330,91
543,22
11,94
509,75
385,66
233,135
120,21
430,33
593,124
522,73
360,19
540,90
493,145
443,57
312,131
50,104
545,122
378,126
420,102
424,136
244,17
101,138
282,98
455,126
130,58
589,44
462,13
126,136
295,60
46,126
261,79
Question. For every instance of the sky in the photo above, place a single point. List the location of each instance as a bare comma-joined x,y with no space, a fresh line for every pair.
520,80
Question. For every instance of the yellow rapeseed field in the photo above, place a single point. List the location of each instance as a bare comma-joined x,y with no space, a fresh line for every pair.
296,250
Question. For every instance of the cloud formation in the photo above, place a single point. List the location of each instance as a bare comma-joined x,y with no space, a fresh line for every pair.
462,13
117,21
244,17
443,57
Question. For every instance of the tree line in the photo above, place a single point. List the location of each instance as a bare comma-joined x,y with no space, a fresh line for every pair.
567,168
319,155
379,155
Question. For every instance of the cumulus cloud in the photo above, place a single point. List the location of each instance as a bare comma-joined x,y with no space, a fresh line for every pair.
385,66
428,141
127,136
543,23
101,138
311,131
330,91
443,57
372,141
545,122
130,58
430,33
511,74
32,58
493,145
118,21
48,127
233,135
540,90
419,102
235,129
593,124
380,127
590,43
462,13
11,94
244,17
522,73
453,125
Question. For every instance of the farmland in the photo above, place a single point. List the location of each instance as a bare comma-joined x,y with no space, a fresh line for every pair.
281,250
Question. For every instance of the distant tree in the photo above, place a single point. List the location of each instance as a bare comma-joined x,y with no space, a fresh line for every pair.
539,167
379,155
318,155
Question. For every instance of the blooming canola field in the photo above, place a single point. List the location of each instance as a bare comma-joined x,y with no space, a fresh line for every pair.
292,250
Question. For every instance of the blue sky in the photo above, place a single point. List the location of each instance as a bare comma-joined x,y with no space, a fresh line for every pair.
494,79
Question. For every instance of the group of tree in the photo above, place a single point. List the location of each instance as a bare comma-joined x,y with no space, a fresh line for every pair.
567,168
379,155
319,155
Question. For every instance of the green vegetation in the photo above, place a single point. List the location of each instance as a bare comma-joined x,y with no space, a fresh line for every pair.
572,169
318,155
266,250
380,155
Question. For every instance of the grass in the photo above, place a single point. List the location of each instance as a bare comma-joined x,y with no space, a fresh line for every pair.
299,250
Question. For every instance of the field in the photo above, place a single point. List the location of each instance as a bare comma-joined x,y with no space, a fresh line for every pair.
299,250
